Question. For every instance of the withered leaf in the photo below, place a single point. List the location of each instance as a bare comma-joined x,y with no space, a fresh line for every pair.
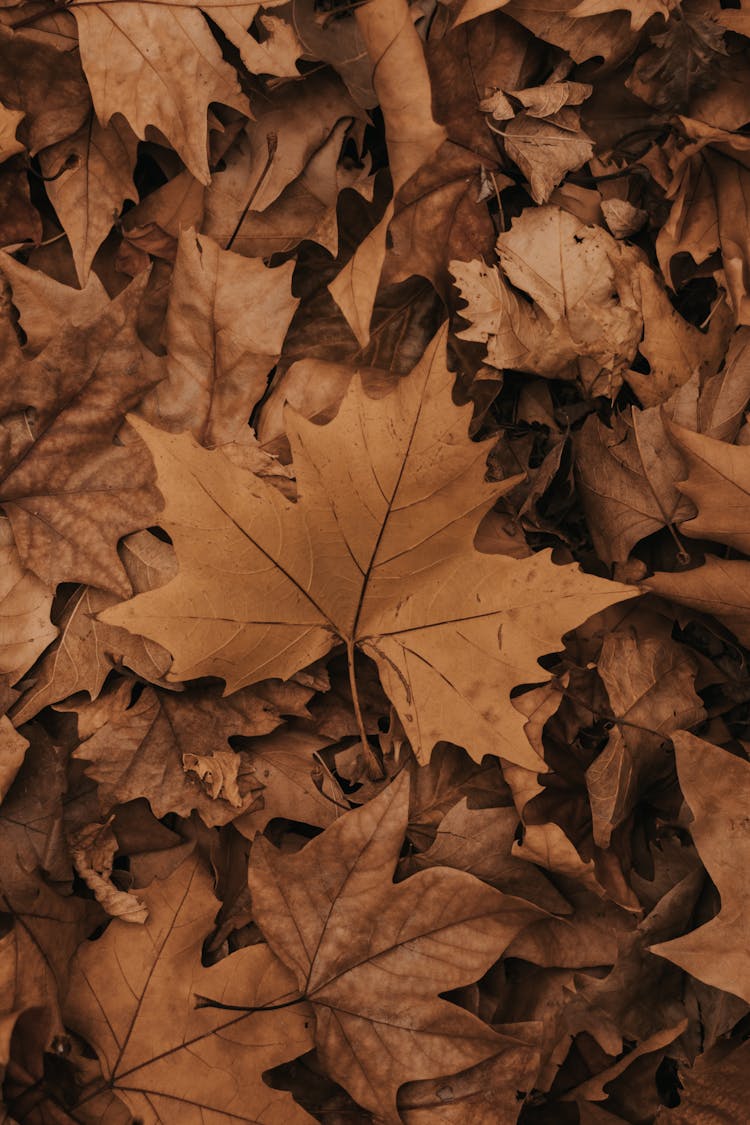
714,782
60,468
133,997
372,963
391,492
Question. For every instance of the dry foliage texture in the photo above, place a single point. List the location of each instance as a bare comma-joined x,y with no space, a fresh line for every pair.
375,538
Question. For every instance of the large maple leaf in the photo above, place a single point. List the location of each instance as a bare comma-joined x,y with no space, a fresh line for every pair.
377,553
372,956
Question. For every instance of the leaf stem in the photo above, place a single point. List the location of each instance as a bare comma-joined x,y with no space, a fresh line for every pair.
271,144
373,765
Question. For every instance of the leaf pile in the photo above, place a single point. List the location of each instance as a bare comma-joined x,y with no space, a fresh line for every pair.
375,528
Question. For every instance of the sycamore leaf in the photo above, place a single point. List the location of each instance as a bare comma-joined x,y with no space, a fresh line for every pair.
377,552
157,64
714,783
373,956
70,493
133,996
226,323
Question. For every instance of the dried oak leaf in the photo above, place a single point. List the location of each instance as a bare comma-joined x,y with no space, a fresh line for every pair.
372,956
44,304
133,996
714,784
377,553
226,322
584,317
70,493
158,65
713,1090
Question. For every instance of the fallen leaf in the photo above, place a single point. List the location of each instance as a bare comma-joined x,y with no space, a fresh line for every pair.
367,585
585,317
203,1058
158,66
65,466
713,782
226,322
719,486
90,176
334,917
93,849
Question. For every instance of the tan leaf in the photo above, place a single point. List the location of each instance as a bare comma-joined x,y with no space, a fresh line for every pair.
721,587
157,65
133,997
88,649
44,84
90,176
140,751
386,511
640,10
402,86
709,192
650,681
479,841
44,304
9,121
294,784
93,850
63,471
714,784
585,316
13,747
628,479
546,150
25,603
713,1089
673,348
719,486
226,323
371,961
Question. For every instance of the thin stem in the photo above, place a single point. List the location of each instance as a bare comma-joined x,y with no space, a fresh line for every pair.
271,141
205,1002
373,765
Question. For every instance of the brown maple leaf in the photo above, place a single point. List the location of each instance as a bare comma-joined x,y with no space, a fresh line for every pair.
372,956
133,996
377,553
69,491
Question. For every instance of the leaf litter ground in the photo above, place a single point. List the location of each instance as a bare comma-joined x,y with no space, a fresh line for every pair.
374,496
